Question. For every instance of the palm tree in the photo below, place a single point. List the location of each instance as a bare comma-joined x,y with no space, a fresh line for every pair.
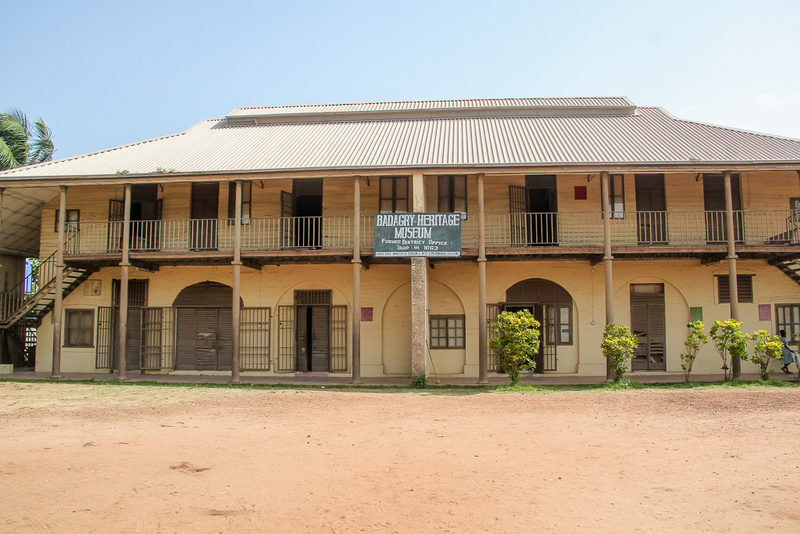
18,146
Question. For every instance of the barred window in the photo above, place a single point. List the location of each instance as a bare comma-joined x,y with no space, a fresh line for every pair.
79,328
447,331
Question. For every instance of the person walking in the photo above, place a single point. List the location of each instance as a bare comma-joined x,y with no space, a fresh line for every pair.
788,357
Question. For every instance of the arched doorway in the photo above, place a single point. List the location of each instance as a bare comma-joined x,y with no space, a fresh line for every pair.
204,327
552,306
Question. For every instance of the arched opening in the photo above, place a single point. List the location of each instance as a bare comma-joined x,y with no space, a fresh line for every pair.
204,327
552,306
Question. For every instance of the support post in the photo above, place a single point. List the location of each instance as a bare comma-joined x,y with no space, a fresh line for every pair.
125,265
483,350
356,280
237,275
419,292
736,362
58,311
607,258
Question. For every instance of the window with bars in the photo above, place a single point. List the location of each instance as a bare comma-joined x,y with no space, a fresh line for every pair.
744,285
312,297
394,194
787,317
447,331
79,328
452,194
137,292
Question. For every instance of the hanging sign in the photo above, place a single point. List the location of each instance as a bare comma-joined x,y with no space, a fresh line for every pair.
417,234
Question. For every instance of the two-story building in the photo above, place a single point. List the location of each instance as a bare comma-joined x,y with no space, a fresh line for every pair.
244,245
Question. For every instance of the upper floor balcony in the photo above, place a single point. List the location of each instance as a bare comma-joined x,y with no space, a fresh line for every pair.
644,232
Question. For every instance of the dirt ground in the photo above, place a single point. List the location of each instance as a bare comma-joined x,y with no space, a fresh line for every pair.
125,459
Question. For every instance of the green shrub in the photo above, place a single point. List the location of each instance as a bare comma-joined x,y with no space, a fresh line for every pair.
730,341
766,349
694,340
420,382
516,342
618,346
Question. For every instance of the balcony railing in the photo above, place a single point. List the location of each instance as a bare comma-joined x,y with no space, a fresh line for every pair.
503,230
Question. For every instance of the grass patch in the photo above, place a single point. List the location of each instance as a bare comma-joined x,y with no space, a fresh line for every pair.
622,385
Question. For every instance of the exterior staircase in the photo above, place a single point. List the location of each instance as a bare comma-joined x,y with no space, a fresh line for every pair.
790,266
35,296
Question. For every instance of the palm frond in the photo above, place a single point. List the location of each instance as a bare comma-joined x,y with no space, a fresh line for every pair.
15,141
41,148
20,117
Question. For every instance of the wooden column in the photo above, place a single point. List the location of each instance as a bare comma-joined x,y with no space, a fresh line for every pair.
607,258
125,265
736,363
237,275
58,311
419,292
356,280
483,351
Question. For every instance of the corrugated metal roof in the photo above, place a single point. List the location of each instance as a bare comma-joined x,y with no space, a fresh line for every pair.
496,103
649,137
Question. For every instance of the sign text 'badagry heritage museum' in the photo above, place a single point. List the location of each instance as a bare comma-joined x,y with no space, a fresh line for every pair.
417,234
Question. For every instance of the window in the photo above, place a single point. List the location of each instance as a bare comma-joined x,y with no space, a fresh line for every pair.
616,196
73,218
452,194
787,317
137,292
247,191
744,285
79,328
394,194
447,331
559,325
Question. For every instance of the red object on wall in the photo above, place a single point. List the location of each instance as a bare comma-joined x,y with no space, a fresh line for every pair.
580,192
764,312
366,314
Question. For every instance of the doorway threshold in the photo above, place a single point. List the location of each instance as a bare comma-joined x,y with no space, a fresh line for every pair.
315,374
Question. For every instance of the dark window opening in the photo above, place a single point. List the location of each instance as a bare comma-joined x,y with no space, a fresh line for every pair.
452,194
394,194
79,328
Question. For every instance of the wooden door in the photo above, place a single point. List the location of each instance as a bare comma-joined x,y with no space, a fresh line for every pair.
205,211
320,338
648,324
651,207
133,345
302,335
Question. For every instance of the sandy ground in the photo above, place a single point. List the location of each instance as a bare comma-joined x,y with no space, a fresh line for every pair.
115,458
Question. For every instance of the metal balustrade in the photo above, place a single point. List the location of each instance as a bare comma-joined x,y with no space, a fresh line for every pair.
566,229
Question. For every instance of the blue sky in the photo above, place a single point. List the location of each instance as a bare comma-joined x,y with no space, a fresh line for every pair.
106,73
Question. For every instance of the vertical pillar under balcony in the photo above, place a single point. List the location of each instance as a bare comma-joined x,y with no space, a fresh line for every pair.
125,265
483,350
356,280
419,291
607,258
237,275
736,362
58,312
